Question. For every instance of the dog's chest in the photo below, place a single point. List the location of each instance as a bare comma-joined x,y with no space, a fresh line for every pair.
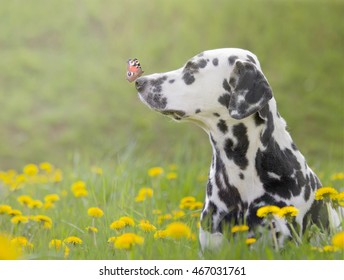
233,165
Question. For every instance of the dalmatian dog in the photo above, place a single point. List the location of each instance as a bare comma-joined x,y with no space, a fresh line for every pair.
255,161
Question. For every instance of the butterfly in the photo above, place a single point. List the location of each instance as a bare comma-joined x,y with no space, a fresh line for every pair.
134,69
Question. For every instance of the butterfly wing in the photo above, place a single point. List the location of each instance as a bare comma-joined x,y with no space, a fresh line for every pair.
134,69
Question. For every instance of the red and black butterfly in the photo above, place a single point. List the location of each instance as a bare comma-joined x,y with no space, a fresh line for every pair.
134,69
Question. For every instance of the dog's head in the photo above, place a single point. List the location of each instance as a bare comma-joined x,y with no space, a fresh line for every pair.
222,81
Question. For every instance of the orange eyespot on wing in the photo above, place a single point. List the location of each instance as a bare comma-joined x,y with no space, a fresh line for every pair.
134,69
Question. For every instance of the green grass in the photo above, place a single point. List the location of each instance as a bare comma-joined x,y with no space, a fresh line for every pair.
65,100
114,192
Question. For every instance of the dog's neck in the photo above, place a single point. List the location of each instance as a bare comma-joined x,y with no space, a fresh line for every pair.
235,144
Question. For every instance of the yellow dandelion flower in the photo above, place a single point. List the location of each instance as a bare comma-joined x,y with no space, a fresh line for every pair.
250,241
45,221
46,166
95,212
239,228
171,175
51,197
25,200
178,214
91,229
338,240
162,218
143,194
325,193
337,176
127,220
19,220
196,205
117,225
80,193
8,250
147,192
35,204
5,209
140,198
187,199
155,171
74,240
339,198
48,205
330,248
21,241
178,230
15,212
267,210
55,244
31,169
97,170
146,226
112,240
160,234
288,211
78,185
128,240
188,202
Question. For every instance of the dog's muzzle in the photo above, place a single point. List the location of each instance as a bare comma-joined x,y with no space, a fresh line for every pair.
140,84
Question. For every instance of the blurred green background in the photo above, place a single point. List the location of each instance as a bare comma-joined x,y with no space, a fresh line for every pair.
63,63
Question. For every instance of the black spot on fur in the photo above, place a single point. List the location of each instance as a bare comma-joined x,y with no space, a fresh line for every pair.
226,86
230,196
214,143
232,59
284,164
269,129
294,147
258,120
237,152
216,114
188,78
307,192
154,97
202,63
222,126
191,68
209,189
157,84
215,61
241,176
157,101
232,81
224,99
171,81
198,111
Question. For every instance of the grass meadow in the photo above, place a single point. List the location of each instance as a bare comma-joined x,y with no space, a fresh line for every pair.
84,162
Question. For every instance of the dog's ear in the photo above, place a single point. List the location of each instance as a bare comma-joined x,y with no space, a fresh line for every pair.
250,90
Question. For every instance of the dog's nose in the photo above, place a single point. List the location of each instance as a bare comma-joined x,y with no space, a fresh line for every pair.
140,84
